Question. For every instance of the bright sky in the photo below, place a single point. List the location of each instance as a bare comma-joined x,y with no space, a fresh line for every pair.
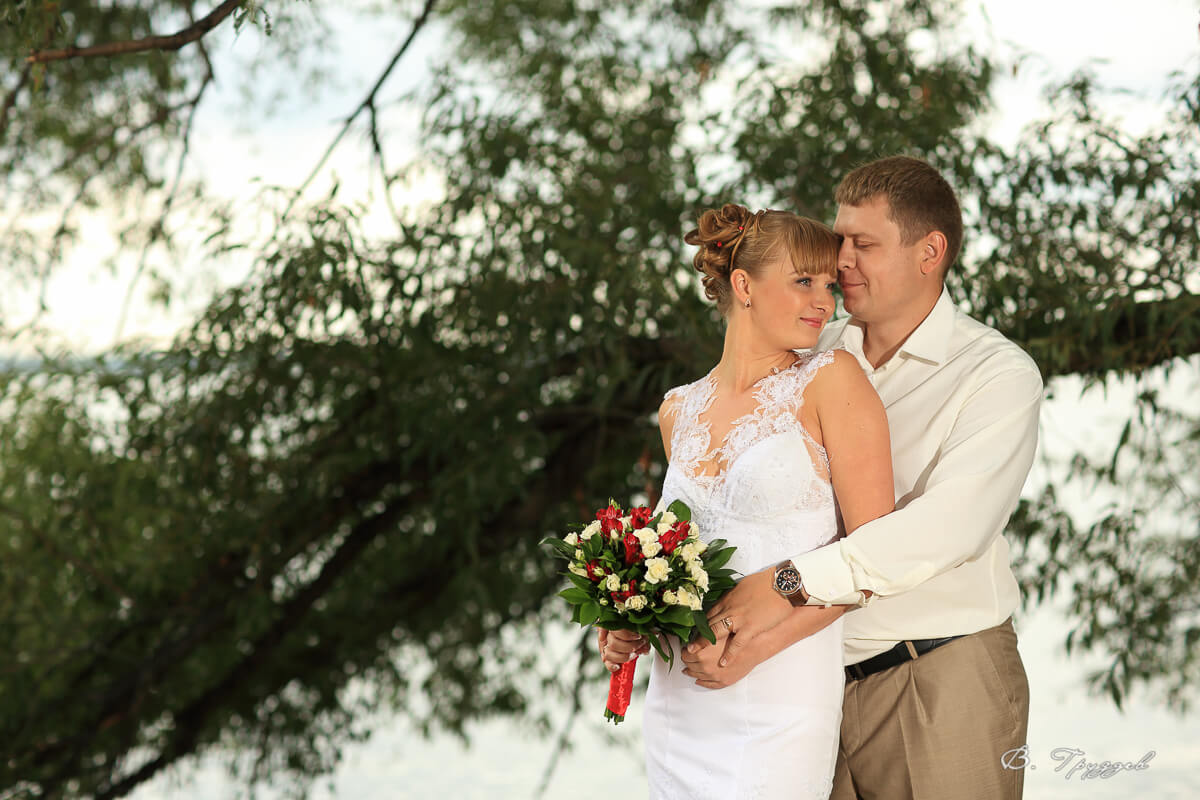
1130,45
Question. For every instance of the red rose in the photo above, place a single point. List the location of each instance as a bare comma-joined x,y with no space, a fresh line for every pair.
622,596
640,517
610,519
674,537
633,548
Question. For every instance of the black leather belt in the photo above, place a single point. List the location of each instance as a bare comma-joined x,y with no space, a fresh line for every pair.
890,658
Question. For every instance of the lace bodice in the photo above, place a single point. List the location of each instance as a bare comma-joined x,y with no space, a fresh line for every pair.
765,487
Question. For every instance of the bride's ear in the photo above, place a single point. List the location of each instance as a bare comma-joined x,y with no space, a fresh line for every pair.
739,280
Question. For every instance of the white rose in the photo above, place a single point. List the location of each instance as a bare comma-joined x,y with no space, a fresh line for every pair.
657,570
700,577
668,519
701,546
689,552
591,530
578,570
578,554
646,535
625,521
687,598
620,607
613,583
571,539
663,528
651,549
636,603
669,597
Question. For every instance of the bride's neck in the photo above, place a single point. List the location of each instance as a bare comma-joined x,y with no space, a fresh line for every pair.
746,359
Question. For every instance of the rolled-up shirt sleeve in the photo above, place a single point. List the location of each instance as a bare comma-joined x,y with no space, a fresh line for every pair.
967,498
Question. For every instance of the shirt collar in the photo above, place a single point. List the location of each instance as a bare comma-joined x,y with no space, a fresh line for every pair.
929,342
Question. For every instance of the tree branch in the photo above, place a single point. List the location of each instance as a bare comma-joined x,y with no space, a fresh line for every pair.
173,42
1147,334
367,103
11,98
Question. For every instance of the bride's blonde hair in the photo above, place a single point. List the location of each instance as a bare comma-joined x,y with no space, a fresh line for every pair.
733,237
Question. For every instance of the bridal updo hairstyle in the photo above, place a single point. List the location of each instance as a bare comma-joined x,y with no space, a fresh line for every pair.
732,238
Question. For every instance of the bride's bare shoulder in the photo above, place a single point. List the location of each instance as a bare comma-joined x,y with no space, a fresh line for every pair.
839,375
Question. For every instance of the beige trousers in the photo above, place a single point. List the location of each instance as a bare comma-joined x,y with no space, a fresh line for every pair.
935,728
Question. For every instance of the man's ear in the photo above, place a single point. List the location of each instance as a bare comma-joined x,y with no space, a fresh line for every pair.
933,252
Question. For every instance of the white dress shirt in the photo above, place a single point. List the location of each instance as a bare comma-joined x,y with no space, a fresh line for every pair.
962,406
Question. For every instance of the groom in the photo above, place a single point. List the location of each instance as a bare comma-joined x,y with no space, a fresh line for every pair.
935,689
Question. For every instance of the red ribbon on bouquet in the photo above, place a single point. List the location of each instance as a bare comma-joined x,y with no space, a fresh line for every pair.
620,689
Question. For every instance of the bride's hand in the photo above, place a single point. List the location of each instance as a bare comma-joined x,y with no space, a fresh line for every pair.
617,647
750,609
703,664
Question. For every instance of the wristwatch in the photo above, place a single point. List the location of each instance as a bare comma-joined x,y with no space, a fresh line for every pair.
789,584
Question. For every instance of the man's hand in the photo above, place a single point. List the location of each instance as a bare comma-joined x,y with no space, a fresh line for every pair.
702,660
752,608
617,647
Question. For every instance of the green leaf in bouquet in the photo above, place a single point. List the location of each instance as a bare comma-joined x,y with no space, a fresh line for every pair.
681,632
611,620
580,581
719,560
559,546
678,615
641,617
588,612
665,653
680,510
715,545
700,620
593,546
574,595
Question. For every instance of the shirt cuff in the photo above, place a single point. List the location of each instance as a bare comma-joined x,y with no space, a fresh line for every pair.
828,579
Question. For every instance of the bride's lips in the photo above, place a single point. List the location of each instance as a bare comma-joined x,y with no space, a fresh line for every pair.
814,322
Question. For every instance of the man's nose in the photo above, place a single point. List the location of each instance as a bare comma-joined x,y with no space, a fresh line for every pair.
845,257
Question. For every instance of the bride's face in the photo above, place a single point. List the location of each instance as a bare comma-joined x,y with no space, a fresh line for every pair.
788,307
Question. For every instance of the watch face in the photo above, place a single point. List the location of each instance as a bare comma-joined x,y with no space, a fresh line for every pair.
787,580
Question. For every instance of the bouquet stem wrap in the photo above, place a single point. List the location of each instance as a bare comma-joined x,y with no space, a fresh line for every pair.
620,689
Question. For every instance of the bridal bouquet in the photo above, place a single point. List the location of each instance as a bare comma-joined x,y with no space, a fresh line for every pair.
643,572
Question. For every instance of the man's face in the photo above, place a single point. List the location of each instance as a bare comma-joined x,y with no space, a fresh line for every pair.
879,275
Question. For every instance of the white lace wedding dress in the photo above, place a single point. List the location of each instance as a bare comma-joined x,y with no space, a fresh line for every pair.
774,734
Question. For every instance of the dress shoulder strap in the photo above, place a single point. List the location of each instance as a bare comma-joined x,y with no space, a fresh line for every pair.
787,391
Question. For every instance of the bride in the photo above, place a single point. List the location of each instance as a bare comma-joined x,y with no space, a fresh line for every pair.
759,448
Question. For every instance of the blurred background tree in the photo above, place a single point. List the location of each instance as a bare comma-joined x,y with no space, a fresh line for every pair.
324,496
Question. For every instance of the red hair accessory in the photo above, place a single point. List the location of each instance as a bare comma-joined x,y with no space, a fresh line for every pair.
739,227
718,244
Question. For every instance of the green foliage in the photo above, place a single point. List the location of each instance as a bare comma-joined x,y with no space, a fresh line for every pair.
337,477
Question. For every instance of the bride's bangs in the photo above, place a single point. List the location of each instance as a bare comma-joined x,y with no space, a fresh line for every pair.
813,248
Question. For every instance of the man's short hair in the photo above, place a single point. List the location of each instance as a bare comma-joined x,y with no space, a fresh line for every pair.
919,199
